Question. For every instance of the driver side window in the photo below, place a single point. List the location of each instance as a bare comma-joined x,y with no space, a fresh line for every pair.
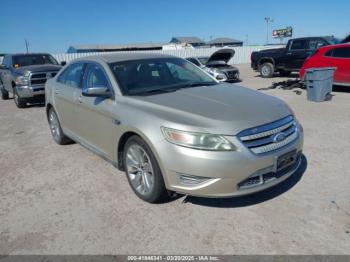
71,76
95,77
7,61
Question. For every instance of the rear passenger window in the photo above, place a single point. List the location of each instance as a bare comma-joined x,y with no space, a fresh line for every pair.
316,43
72,75
329,53
342,52
298,45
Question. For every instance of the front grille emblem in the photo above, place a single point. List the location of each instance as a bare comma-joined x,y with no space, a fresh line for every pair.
279,137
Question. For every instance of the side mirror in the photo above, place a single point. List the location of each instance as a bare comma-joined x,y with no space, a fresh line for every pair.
96,91
63,63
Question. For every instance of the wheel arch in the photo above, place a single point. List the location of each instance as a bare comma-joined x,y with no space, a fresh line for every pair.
121,145
48,107
266,60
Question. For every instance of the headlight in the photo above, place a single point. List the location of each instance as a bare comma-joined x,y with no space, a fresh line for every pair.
214,70
221,77
22,80
198,140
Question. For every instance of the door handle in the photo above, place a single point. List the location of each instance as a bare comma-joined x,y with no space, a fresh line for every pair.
289,53
57,91
80,99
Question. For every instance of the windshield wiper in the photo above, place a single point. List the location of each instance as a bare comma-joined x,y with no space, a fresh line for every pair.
195,84
155,91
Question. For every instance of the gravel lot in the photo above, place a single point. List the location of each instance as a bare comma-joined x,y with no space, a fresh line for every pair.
66,200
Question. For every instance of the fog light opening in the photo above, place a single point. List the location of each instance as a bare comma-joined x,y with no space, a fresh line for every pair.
190,180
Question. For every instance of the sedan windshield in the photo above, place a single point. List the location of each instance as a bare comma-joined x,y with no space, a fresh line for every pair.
152,76
36,59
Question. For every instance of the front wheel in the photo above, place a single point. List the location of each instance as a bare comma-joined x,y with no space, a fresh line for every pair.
142,170
19,102
267,70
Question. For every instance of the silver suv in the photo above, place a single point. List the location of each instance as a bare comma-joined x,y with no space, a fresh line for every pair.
173,128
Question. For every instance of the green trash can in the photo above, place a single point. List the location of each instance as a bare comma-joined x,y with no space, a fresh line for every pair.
319,83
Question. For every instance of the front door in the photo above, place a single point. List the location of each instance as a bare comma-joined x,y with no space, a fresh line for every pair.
6,73
296,54
95,115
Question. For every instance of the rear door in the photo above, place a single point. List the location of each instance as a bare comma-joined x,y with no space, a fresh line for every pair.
95,115
341,60
66,89
297,53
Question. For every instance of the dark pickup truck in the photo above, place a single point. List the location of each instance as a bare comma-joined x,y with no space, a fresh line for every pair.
290,58
24,75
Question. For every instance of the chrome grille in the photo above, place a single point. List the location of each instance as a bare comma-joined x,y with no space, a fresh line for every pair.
40,78
231,74
270,137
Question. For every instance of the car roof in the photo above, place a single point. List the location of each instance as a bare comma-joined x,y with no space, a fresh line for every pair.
310,37
20,54
113,58
327,47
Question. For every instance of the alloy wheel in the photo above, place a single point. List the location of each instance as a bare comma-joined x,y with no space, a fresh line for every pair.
140,170
54,125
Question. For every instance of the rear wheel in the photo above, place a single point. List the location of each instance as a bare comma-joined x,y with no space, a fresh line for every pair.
4,93
55,128
20,102
267,70
142,170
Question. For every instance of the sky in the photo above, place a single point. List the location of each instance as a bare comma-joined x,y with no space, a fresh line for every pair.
52,26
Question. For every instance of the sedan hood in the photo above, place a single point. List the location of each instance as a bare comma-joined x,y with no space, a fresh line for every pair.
221,109
37,68
222,55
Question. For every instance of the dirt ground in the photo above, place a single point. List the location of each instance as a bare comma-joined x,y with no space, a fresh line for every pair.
66,200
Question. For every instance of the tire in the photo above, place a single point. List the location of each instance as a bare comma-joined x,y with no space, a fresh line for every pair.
267,70
285,73
4,94
55,127
142,171
20,102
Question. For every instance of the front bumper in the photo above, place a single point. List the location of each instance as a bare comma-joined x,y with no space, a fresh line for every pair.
231,75
224,172
30,91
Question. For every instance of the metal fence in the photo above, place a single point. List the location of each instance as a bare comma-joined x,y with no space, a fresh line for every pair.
242,54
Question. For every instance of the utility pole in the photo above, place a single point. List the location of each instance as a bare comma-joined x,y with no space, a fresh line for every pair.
268,20
27,45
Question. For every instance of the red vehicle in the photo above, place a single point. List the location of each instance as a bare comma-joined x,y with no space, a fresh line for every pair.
331,56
